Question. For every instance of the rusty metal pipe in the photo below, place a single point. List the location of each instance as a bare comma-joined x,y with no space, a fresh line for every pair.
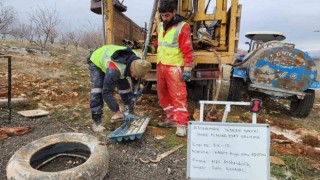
9,88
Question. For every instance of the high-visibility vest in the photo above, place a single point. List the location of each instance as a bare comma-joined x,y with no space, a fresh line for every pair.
102,58
169,52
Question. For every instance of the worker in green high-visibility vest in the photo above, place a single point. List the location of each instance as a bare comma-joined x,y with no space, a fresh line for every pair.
109,67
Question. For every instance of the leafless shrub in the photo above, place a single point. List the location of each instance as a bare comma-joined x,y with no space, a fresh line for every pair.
75,38
20,31
53,35
44,22
64,41
92,40
7,18
30,33
92,37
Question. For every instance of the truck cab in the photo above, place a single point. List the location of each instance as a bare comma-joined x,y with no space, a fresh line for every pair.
258,38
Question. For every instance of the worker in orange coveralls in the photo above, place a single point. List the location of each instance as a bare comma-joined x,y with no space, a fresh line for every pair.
174,64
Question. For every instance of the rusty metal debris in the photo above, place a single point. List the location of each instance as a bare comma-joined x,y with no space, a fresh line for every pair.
13,131
161,156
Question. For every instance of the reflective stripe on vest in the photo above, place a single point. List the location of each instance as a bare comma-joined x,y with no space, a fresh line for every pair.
120,66
169,52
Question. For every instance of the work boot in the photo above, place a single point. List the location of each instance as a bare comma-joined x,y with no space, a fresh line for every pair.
166,124
130,110
130,117
181,131
97,127
116,118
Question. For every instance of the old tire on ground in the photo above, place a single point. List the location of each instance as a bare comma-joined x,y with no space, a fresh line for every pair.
21,164
235,89
302,107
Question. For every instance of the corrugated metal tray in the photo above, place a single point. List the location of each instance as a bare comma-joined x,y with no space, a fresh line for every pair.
130,130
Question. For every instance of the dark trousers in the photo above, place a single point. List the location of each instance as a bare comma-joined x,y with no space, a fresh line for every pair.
102,89
96,98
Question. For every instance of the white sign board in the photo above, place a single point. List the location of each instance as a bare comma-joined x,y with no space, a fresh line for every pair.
228,151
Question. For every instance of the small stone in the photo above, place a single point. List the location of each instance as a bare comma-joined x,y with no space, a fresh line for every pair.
169,171
158,137
69,162
288,174
277,161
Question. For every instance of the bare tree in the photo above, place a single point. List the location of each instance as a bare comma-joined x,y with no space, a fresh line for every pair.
53,35
92,37
64,41
75,38
5,31
44,22
7,18
92,40
30,33
20,31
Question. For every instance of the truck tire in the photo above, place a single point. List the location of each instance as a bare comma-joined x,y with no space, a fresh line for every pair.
208,92
302,107
22,165
148,88
200,91
197,92
235,89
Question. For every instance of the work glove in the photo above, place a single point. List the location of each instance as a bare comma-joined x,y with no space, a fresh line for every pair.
88,58
150,49
129,116
186,74
137,94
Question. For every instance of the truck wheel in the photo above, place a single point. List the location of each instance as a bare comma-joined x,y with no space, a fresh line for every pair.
202,92
148,88
197,92
208,92
235,89
302,107
24,164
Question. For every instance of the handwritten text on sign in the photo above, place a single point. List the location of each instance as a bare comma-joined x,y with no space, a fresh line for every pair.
228,151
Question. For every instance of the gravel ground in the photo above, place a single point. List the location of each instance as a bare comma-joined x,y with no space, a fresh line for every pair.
124,157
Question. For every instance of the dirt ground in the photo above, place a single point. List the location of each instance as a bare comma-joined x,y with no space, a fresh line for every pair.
124,157
60,84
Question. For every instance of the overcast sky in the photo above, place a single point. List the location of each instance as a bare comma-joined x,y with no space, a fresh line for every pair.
297,19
